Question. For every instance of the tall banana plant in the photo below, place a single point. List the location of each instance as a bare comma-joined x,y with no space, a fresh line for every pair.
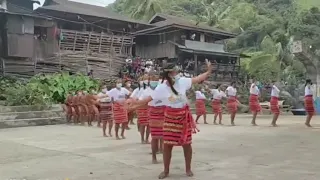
215,11
143,9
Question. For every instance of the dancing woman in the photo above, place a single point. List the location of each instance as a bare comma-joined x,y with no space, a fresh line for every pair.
68,109
130,114
106,111
274,104
120,115
308,102
156,118
232,102
217,95
178,122
201,105
142,114
137,92
254,102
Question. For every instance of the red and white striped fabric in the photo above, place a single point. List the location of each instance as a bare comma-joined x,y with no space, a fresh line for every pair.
274,105
143,116
201,107
254,103
216,106
120,114
232,104
309,106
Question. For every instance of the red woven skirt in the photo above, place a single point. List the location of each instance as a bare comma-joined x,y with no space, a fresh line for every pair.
178,126
308,104
156,119
201,107
232,104
274,105
143,116
120,114
106,111
216,106
254,103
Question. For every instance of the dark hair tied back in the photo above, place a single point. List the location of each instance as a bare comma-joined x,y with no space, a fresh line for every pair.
166,76
308,81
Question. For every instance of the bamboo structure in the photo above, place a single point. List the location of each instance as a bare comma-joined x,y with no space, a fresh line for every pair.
78,52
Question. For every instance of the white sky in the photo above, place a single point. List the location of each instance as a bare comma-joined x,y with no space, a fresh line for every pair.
93,2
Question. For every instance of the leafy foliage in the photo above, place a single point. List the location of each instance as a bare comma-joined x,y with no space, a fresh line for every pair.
266,29
45,89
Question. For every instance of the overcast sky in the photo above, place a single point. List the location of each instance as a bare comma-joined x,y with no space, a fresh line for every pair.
93,2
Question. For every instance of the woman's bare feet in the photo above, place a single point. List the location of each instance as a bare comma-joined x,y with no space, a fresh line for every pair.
105,135
117,138
110,134
308,124
189,173
274,125
232,124
123,137
205,123
163,175
253,124
154,161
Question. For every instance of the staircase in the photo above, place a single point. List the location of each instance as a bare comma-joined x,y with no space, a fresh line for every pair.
23,116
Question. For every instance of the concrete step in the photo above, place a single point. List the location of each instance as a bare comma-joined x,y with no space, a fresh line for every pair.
30,115
54,107
31,122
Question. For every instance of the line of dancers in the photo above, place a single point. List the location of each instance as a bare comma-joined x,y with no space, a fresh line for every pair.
230,93
163,110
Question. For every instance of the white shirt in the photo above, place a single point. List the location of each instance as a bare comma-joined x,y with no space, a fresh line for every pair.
148,92
231,91
200,95
275,91
118,95
163,92
216,94
105,99
136,93
254,89
308,90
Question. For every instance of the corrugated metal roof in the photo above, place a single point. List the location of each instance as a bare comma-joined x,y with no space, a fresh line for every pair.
169,20
86,9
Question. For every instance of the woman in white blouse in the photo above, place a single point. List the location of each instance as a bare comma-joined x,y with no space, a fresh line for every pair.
201,105
274,104
308,101
232,102
254,102
217,95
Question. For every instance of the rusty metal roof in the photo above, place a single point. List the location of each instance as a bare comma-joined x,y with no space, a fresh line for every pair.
163,21
85,9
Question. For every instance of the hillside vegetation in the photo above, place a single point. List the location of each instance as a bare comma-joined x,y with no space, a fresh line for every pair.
266,29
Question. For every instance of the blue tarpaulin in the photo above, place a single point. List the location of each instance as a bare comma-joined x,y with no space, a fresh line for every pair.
317,105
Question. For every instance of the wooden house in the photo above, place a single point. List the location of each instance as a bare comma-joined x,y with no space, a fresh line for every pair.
64,35
17,27
174,38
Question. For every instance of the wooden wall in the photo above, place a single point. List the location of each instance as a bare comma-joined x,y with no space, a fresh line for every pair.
157,46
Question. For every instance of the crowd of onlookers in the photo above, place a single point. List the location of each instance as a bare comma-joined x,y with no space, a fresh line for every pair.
134,67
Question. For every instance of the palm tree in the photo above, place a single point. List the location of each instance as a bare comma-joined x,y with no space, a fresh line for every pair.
143,9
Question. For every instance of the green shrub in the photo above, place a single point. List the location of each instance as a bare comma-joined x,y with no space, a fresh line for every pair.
46,89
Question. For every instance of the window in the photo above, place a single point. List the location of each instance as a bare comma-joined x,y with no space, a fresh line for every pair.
162,38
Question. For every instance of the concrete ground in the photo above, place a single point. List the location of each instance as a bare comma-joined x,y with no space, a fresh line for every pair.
243,152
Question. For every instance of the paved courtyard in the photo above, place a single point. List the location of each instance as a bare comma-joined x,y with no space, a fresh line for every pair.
288,152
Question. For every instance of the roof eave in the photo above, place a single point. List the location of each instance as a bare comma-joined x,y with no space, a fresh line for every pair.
150,30
210,52
43,8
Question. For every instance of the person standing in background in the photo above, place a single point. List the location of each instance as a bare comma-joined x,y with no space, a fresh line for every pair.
274,103
201,105
254,101
308,102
